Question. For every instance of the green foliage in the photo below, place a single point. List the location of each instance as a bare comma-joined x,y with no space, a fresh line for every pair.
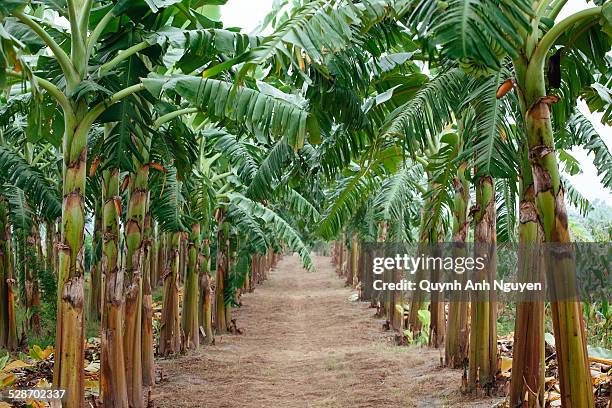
492,143
580,132
167,207
475,31
316,31
219,99
594,226
282,230
428,112
270,170
17,171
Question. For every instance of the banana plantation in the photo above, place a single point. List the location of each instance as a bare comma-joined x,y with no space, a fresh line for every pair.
161,171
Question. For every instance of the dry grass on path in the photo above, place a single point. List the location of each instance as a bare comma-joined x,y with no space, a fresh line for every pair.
305,344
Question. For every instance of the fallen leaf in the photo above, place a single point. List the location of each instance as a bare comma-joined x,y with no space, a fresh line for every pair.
15,365
506,364
39,354
93,367
7,380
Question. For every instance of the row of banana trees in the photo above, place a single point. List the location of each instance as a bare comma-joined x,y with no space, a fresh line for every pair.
493,122
188,152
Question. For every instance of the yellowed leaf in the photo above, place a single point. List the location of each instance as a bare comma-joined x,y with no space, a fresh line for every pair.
506,364
15,365
39,354
7,380
600,378
43,383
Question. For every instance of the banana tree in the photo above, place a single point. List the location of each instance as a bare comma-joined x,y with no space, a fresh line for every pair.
531,38
79,117
95,56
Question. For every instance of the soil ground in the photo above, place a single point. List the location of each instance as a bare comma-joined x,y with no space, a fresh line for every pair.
306,344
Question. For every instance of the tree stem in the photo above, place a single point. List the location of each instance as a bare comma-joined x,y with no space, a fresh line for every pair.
122,56
62,58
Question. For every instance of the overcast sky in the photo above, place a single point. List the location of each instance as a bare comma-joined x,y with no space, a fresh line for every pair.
248,13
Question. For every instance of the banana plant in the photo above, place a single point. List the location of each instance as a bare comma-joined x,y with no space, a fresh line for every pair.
532,37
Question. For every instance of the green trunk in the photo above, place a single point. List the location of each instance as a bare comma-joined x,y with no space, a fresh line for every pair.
206,294
437,321
416,303
50,248
231,270
153,257
457,333
483,333
69,350
221,272
148,346
113,382
377,295
528,365
568,323
8,325
170,336
191,326
4,258
95,275
162,261
134,263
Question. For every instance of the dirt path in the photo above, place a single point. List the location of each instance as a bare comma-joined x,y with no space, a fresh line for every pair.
305,344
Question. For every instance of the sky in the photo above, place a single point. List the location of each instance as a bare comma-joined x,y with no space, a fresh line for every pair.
248,13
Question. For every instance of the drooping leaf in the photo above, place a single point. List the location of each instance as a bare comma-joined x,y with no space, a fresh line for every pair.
250,107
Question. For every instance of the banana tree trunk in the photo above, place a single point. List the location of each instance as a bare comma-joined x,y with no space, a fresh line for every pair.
567,316
256,273
153,257
341,260
206,294
366,275
113,382
437,322
148,346
95,273
231,270
161,258
69,343
483,334
221,324
8,324
416,303
353,255
528,364
246,285
191,326
134,264
457,333
50,246
377,294
33,261
170,336
4,258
